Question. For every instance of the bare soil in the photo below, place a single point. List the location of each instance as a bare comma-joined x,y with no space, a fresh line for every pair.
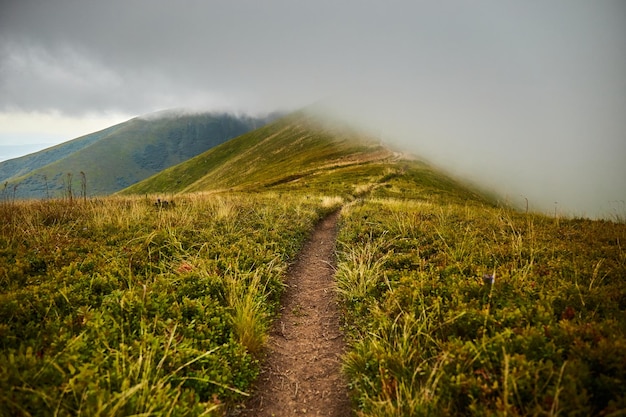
302,372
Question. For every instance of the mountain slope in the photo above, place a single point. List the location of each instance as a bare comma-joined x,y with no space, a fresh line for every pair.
122,155
18,167
304,151
279,152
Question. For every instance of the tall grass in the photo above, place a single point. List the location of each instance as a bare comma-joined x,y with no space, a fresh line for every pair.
359,276
476,310
118,306
247,297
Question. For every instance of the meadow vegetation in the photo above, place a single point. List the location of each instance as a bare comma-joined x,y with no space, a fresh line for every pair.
471,309
121,306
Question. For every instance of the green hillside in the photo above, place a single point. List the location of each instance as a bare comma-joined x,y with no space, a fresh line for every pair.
303,153
17,167
120,156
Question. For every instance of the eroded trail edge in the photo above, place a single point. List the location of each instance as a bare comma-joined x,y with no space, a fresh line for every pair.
302,371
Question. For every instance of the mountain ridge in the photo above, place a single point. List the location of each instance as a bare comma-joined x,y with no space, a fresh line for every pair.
306,150
17,167
123,154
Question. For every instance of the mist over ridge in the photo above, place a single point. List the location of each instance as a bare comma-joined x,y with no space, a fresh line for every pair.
514,158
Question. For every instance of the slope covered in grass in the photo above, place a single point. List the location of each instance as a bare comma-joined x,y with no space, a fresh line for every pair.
117,157
304,153
290,148
18,167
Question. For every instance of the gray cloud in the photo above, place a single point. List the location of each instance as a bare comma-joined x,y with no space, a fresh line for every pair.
526,97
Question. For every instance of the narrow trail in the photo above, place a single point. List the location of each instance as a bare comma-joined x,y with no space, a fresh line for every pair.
302,372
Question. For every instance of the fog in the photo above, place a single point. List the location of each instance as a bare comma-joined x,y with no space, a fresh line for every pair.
526,98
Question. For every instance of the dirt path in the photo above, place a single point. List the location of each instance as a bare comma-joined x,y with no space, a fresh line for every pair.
302,371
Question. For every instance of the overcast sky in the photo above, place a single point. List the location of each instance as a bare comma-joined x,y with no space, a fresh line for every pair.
528,97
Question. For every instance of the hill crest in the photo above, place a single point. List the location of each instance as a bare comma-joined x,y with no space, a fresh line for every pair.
302,152
121,155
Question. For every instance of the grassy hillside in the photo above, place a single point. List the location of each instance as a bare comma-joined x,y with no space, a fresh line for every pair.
117,157
288,149
303,153
21,166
